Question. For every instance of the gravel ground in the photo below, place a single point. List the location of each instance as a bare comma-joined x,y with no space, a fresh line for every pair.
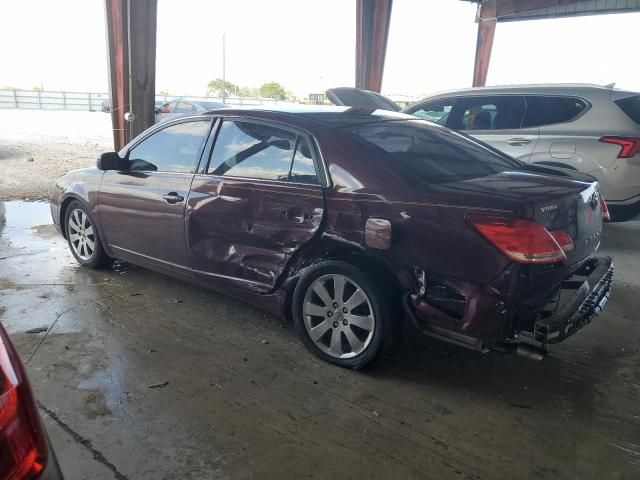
37,146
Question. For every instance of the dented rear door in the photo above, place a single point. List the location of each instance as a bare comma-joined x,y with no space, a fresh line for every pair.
259,200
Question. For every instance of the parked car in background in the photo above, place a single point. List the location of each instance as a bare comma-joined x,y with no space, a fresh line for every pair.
182,108
349,221
25,452
589,128
106,105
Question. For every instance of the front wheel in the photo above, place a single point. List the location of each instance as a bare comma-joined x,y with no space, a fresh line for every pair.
82,236
341,316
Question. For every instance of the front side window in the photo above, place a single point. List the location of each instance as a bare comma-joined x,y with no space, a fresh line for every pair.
543,110
255,150
500,112
173,149
422,153
437,112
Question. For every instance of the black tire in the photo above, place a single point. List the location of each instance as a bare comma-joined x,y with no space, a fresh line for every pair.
623,213
385,333
98,258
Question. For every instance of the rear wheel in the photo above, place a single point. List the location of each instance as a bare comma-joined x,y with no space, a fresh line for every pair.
341,316
82,236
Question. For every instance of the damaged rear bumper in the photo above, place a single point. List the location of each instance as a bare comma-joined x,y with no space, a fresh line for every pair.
579,301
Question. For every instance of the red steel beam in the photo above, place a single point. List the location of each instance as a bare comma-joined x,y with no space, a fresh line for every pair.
372,31
484,42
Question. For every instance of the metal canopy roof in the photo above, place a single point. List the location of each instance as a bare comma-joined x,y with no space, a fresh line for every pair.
515,10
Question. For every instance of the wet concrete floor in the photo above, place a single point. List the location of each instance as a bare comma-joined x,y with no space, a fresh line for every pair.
142,376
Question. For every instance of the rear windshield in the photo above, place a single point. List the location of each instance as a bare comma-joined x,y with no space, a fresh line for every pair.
631,106
420,151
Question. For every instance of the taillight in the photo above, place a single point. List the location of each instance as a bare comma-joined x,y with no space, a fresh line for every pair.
523,241
23,449
606,216
563,240
629,146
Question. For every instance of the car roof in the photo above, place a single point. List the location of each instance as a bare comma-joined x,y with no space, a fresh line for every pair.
328,115
547,88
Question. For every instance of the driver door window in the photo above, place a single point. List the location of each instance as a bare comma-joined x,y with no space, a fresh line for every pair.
173,149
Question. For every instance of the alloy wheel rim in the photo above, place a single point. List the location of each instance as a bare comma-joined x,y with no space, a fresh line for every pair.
81,234
338,316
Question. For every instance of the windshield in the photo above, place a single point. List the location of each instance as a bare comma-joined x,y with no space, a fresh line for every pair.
422,152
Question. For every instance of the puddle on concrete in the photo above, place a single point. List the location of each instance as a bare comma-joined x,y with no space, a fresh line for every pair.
23,224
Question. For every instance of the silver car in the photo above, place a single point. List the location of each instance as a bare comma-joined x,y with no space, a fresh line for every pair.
589,128
183,108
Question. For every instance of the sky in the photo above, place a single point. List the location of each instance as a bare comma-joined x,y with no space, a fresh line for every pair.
308,46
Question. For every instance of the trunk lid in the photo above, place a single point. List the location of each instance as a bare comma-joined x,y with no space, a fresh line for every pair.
579,214
571,203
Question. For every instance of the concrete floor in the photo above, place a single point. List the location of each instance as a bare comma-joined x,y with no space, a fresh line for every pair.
244,399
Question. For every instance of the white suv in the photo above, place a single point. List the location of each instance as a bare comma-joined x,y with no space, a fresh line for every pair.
589,128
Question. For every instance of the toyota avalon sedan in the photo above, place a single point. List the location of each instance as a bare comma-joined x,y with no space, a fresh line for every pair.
354,223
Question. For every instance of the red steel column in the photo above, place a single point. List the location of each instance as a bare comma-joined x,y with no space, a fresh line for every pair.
131,43
372,32
484,42
117,50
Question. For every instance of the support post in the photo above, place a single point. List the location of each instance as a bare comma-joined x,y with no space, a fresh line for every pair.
484,43
131,44
372,31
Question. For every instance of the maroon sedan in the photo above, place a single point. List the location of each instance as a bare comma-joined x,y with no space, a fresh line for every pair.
353,222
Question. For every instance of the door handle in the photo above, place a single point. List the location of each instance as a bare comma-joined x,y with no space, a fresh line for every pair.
173,197
518,142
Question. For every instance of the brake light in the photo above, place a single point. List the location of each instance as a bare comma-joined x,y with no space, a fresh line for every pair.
629,146
23,450
606,216
563,239
523,241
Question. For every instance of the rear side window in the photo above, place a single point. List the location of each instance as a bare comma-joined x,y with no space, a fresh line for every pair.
421,152
303,169
499,112
547,110
173,149
630,106
255,150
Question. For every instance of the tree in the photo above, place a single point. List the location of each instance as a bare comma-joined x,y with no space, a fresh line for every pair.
249,92
273,90
164,93
219,88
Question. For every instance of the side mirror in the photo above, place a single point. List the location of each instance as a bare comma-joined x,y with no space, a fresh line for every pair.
112,161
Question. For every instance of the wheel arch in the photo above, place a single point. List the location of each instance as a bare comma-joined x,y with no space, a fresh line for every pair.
64,205
341,250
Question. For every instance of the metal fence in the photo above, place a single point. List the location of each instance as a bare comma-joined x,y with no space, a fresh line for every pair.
93,102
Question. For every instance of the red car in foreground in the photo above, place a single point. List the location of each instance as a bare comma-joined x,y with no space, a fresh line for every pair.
350,221
25,453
